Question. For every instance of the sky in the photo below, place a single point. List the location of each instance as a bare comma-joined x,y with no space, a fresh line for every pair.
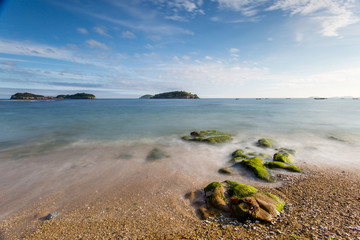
214,48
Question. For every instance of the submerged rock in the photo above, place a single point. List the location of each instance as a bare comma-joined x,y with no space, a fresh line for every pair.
227,170
256,164
156,154
265,143
208,136
241,201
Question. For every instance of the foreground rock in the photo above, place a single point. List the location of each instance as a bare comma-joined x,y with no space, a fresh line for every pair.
208,136
241,201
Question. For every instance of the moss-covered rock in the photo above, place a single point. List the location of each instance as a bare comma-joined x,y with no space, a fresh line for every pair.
283,157
156,154
240,201
287,150
215,196
208,136
286,166
256,164
238,190
266,143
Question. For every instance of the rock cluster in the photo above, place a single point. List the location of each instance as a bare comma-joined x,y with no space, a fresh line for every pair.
259,163
241,201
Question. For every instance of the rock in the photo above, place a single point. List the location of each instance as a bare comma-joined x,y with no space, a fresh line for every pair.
265,143
226,171
215,196
242,201
208,136
49,216
238,155
156,154
256,164
286,150
282,157
286,166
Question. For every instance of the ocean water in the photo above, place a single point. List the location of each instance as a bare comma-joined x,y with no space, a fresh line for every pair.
48,146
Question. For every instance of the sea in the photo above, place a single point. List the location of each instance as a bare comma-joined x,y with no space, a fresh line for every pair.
48,145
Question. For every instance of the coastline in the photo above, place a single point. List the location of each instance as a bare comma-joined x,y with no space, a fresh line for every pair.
322,203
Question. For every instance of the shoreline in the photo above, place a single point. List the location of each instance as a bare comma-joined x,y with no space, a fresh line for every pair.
321,203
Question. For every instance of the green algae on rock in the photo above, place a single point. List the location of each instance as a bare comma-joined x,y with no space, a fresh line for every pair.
156,154
208,136
256,164
286,166
282,157
265,143
241,201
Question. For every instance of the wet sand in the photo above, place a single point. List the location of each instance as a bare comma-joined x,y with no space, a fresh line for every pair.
321,204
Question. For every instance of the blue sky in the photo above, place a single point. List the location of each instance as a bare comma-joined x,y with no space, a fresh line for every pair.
215,48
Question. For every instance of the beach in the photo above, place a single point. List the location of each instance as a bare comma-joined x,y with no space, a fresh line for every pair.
72,170
321,204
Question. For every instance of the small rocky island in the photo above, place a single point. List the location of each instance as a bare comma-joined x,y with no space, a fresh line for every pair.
30,96
171,95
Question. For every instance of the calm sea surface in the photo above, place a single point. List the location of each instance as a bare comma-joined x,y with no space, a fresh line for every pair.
67,121
48,146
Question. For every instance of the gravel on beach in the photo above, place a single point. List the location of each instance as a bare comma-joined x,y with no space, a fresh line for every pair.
321,204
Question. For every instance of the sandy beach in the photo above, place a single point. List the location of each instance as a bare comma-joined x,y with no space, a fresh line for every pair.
321,204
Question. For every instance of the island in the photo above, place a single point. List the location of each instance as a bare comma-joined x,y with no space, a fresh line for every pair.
31,96
171,95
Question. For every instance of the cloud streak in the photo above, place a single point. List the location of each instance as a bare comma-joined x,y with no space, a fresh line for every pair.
332,15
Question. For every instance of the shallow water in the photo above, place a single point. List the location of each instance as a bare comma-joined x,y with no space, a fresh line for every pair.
54,146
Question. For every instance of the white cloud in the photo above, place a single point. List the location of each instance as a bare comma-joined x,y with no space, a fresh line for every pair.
128,35
102,31
82,30
332,15
185,57
233,50
208,58
177,18
95,44
35,50
246,7
151,55
149,46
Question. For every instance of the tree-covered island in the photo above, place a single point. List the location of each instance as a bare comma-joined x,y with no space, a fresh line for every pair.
30,96
171,95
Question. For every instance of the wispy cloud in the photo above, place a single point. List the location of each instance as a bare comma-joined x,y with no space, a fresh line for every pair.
101,30
82,30
128,35
332,15
140,20
246,7
95,44
33,49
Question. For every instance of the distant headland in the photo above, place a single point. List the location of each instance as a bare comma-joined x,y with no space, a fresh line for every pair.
171,95
30,96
